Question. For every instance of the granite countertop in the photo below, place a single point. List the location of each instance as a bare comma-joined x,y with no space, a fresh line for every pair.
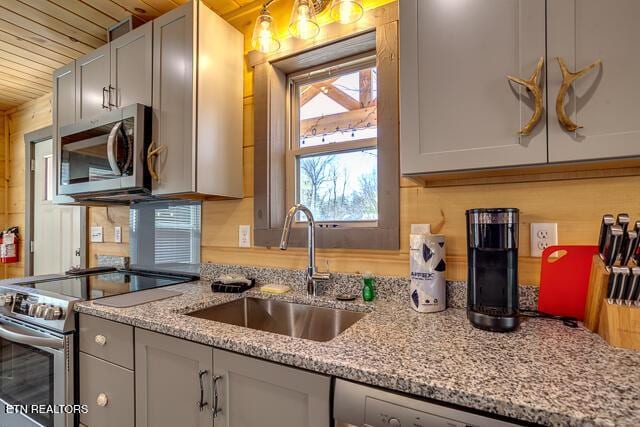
543,373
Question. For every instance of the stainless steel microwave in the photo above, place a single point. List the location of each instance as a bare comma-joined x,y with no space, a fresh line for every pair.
104,158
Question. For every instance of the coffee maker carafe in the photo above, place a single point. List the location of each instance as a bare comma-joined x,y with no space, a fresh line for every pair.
492,255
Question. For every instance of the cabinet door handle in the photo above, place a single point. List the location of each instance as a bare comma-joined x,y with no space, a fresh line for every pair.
104,91
115,97
202,404
216,396
568,77
531,84
151,153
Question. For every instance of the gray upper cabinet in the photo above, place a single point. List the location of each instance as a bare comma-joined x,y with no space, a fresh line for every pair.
173,115
92,83
253,392
197,103
172,378
458,111
64,94
115,75
131,62
606,100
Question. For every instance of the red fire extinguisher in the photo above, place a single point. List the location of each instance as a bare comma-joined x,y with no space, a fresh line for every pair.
10,246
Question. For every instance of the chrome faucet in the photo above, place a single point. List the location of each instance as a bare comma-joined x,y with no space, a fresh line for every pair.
313,276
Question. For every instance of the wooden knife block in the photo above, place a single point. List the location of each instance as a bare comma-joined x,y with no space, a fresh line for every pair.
619,325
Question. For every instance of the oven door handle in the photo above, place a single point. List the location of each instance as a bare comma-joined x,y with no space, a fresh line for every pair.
111,147
30,339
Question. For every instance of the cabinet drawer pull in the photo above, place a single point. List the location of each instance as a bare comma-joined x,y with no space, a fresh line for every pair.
532,86
202,404
102,400
216,396
104,105
115,97
151,154
568,77
101,340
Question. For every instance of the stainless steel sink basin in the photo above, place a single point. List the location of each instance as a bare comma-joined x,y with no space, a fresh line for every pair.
280,317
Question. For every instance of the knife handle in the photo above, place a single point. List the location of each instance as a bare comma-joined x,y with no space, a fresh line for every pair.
622,287
613,284
628,246
623,221
634,278
612,246
605,224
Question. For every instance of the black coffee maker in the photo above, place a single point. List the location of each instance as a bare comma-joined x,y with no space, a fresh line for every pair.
492,255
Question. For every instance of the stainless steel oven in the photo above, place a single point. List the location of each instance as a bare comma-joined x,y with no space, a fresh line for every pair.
36,376
105,156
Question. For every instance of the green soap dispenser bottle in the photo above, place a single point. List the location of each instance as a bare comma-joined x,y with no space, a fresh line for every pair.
368,287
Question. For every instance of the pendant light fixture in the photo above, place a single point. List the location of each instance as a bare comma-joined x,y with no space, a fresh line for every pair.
303,24
346,11
264,38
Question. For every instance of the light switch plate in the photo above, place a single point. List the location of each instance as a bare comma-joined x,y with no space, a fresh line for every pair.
117,234
244,236
96,235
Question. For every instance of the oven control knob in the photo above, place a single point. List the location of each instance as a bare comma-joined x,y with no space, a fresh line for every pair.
32,309
52,313
40,310
393,422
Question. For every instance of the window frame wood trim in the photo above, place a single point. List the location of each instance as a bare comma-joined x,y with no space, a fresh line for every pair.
270,143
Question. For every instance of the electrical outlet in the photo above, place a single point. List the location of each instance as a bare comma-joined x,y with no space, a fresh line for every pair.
244,236
543,235
117,234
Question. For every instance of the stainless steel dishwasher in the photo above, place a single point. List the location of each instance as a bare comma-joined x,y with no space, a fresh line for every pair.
362,406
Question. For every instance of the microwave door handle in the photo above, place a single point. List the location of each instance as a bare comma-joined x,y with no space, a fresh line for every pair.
30,340
111,147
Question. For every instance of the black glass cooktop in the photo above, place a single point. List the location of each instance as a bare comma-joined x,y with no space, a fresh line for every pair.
107,284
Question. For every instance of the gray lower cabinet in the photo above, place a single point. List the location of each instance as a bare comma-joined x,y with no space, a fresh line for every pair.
457,109
173,377
253,392
107,390
605,101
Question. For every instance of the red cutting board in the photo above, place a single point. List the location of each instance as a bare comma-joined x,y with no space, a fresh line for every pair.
564,280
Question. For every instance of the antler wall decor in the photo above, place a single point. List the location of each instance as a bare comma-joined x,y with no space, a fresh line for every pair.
532,85
568,78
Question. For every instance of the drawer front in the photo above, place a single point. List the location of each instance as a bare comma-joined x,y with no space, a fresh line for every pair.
107,390
107,340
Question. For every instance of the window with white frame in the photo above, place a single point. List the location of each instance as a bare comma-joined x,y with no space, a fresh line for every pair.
332,159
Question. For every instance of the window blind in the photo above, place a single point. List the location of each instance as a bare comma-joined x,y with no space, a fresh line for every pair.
165,232
174,234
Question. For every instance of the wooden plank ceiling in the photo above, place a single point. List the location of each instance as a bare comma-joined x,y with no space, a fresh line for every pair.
39,36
